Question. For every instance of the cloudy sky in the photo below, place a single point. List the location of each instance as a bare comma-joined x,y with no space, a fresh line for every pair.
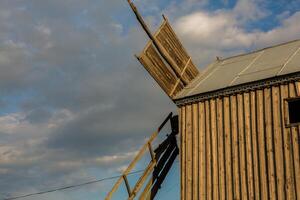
74,103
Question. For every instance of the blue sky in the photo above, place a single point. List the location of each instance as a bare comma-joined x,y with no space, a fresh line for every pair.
75,105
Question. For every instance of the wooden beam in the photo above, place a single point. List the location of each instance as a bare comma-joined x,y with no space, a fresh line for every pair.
164,173
158,46
127,185
182,73
142,179
137,158
297,83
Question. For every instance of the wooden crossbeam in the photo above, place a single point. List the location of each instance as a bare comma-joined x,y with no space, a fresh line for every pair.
178,80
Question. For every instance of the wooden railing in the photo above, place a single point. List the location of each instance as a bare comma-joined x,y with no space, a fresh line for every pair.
162,159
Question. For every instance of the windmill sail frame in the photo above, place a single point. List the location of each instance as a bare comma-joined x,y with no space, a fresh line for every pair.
169,56
154,63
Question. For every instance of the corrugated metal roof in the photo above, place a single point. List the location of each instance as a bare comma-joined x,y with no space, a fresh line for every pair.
270,62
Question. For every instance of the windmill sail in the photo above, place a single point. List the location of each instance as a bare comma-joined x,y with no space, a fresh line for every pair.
160,71
154,63
165,58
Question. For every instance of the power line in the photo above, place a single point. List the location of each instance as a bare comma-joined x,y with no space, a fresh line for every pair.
72,186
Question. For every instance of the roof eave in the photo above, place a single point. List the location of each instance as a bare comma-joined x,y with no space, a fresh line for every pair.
250,86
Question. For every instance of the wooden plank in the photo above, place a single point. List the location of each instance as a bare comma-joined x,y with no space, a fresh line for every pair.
145,195
195,152
242,147
261,145
164,173
202,151
141,180
269,141
254,134
295,145
214,142
168,39
235,149
278,141
160,48
249,150
183,152
297,83
189,153
208,152
156,67
289,168
221,146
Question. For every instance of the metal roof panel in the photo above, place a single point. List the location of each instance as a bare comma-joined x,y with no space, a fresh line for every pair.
273,57
291,65
259,65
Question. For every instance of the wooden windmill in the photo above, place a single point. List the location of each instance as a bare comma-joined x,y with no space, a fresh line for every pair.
169,64
239,122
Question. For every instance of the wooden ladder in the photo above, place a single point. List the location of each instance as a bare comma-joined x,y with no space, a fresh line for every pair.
162,159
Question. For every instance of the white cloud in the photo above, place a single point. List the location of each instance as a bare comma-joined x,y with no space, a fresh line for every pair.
222,31
218,30
246,10
9,123
117,158
288,30
43,29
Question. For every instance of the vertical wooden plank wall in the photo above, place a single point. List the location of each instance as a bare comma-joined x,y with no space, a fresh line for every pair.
238,147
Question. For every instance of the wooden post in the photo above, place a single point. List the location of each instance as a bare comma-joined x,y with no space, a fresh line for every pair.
158,46
127,185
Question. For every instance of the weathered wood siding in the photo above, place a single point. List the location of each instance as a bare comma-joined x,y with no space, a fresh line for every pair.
238,147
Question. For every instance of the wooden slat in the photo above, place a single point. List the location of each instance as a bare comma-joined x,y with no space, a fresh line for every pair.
145,195
142,179
167,61
157,68
183,152
249,150
221,150
208,152
254,134
189,153
295,145
242,148
269,142
261,145
168,39
195,152
289,168
214,142
278,141
162,51
235,149
297,84
202,151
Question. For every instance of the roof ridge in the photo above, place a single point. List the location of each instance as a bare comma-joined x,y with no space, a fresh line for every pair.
259,50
